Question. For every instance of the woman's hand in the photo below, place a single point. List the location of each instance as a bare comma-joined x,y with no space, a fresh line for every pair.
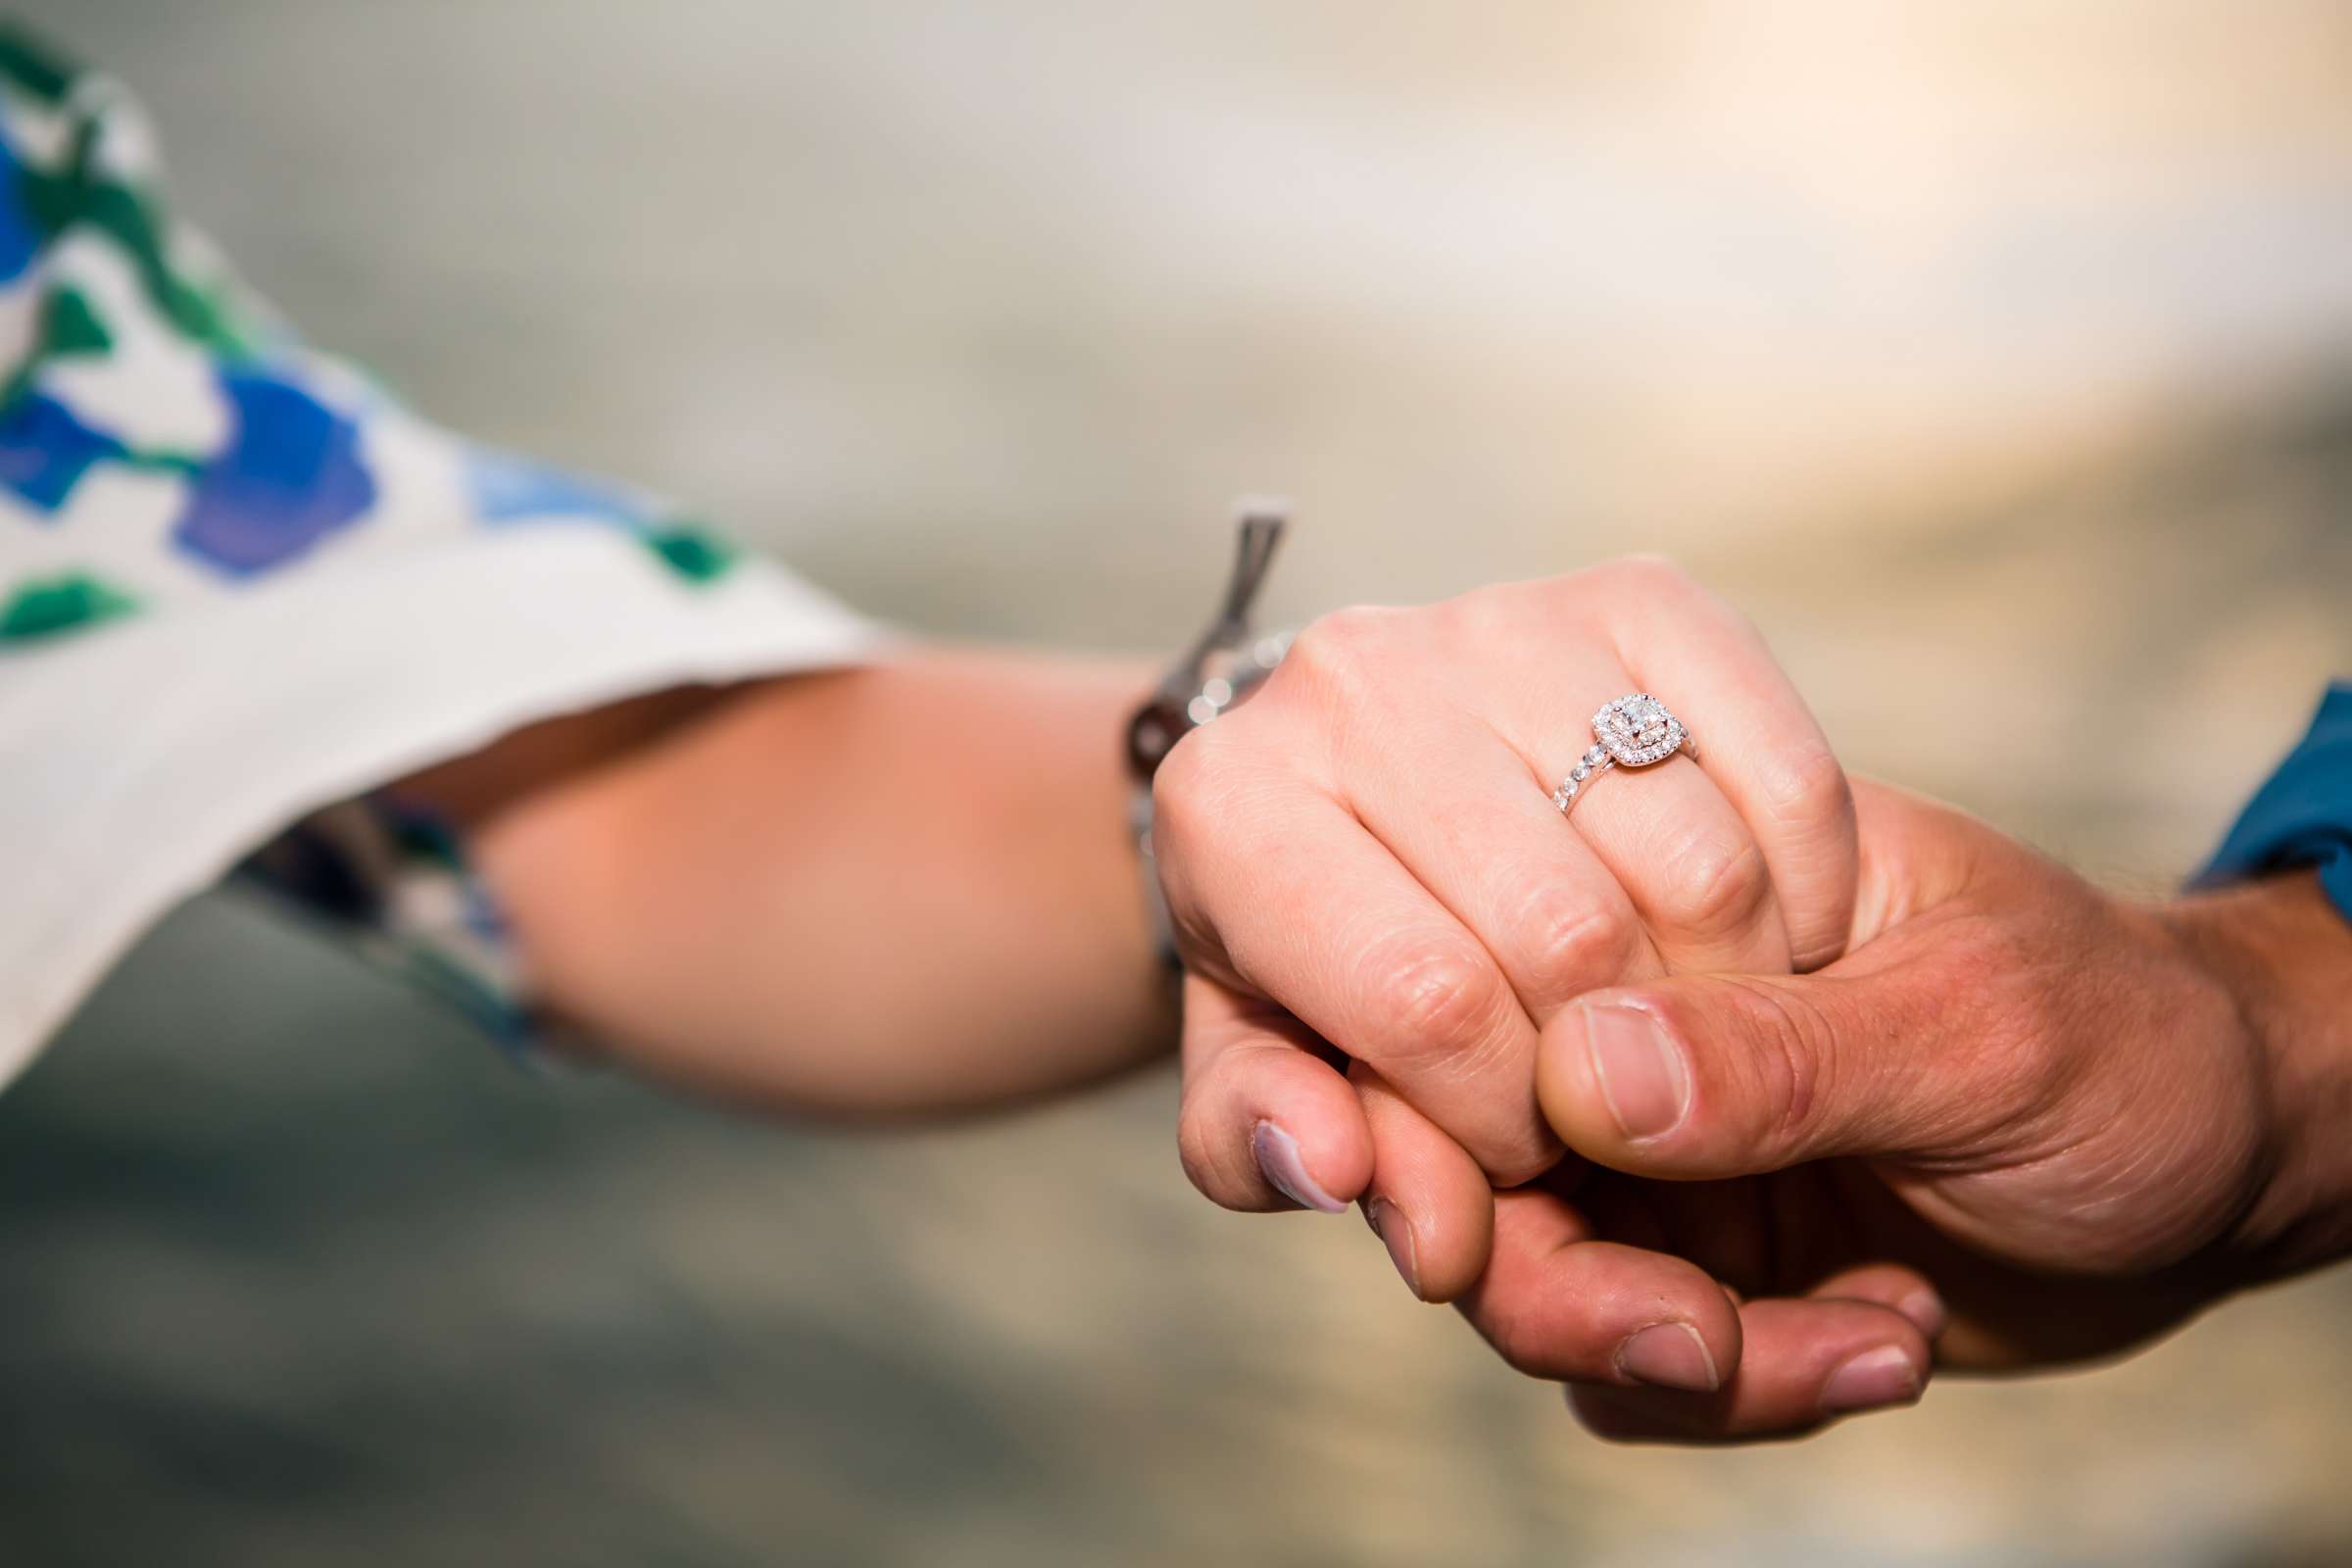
2039,1123
1370,880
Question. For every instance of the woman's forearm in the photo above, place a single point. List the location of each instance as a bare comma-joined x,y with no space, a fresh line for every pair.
896,889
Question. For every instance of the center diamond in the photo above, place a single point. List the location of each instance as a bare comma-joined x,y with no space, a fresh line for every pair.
1637,731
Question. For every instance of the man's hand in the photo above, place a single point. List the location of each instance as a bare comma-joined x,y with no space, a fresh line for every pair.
1364,862
2022,1118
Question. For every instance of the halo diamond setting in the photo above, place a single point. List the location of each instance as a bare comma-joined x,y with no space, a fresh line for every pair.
1634,731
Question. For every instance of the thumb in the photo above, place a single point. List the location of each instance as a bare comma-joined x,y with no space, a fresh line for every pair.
1715,1076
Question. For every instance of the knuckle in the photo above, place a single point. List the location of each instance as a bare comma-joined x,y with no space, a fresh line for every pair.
1489,612
1201,786
1575,942
1788,1063
1713,884
1792,1063
1208,821
1181,806
1643,573
1809,789
1335,649
1431,997
1176,785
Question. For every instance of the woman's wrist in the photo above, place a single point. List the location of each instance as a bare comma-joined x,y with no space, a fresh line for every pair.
2283,954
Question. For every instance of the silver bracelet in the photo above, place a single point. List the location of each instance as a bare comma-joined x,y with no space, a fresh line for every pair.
1225,664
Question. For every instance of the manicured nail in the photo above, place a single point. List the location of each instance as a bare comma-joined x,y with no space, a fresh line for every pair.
1641,1070
1395,1232
1278,1162
1924,1308
1670,1356
1874,1378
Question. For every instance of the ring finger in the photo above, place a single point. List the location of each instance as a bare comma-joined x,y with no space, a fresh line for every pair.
1685,858
1658,874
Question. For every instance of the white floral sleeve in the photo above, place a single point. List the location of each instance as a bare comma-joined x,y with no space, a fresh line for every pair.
240,585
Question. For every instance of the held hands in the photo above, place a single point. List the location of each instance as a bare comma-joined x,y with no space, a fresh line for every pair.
2016,1120
2040,1124
1365,860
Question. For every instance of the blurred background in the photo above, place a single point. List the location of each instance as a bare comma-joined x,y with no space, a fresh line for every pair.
1997,356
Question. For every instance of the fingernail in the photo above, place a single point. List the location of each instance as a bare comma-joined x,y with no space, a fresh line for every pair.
1395,1232
1278,1161
1639,1066
1874,1378
1671,1355
1924,1308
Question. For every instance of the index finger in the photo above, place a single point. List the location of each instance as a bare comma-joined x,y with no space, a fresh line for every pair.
1296,901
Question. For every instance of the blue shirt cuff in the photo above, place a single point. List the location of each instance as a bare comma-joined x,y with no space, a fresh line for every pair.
2303,816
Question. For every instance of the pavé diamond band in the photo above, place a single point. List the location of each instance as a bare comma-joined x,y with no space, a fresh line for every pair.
1633,731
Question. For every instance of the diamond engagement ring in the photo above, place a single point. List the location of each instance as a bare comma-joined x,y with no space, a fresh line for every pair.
1633,732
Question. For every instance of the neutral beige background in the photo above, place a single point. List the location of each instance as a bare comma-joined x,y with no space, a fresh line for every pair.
1997,356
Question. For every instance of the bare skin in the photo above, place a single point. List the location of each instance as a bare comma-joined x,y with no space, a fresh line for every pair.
2041,1123
900,890
2018,1123
1367,860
